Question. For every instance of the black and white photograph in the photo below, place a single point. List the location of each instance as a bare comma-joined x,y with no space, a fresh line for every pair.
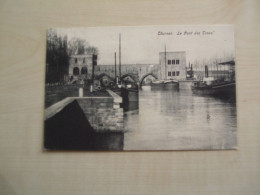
140,88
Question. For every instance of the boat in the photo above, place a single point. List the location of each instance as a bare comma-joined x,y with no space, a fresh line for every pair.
171,84
217,87
221,87
157,84
165,84
129,94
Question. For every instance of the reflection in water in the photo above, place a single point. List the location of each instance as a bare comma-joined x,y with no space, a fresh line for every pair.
179,120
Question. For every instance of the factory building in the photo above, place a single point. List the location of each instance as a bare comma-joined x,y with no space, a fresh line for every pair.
172,65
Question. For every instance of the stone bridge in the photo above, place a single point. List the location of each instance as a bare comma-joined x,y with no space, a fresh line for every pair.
136,72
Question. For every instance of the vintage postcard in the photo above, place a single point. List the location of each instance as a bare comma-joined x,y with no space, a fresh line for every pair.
140,88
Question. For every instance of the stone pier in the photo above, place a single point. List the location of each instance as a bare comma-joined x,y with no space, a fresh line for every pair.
103,113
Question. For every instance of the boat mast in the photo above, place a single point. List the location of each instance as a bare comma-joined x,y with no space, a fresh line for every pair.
217,67
120,57
191,70
209,73
115,66
220,72
165,61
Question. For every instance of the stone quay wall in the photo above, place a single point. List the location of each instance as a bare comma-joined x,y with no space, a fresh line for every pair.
103,113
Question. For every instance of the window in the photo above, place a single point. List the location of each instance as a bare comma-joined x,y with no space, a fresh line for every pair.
83,60
169,61
177,61
173,73
84,70
173,61
76,71
169,74
177,73
76,60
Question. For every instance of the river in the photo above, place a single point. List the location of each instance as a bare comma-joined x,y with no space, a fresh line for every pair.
180,120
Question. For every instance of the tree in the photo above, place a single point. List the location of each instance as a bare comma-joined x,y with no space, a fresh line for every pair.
59,50
91,50
77,46
57,59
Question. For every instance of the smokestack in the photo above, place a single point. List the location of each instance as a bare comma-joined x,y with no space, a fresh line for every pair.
206,71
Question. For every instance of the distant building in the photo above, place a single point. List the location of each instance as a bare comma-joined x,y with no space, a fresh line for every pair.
172,65
80,65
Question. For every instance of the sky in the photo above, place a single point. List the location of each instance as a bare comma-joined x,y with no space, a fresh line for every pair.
142,44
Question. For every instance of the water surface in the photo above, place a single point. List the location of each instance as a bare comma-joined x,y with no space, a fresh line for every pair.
179,120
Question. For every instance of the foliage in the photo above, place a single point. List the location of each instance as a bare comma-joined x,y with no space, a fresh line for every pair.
77,46
59,50
91,50
57,58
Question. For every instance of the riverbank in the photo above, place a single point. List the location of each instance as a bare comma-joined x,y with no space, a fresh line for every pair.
57,93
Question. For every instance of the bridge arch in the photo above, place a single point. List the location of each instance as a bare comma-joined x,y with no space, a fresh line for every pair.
100,76
105,83
146,75
131,76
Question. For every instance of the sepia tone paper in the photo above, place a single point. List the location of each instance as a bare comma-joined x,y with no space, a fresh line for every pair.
140,88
